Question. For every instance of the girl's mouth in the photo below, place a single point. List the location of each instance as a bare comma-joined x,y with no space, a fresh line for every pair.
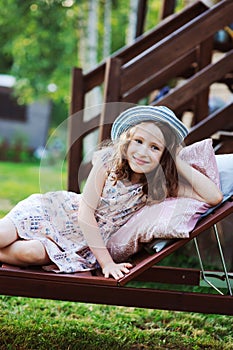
139,161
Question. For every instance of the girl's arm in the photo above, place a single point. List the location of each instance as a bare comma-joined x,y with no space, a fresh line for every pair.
198,185
89,227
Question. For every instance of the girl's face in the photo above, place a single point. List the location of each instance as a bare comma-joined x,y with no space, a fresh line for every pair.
145,148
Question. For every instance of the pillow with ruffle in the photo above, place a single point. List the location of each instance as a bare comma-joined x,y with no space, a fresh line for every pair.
172,218
225,168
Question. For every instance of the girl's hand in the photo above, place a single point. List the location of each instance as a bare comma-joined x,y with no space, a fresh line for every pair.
116,270
198,185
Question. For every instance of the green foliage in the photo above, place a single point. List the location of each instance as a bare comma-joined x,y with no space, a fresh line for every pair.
153,14
120,15
40,45
39,41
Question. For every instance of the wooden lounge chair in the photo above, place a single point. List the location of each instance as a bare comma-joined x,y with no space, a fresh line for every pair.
92,287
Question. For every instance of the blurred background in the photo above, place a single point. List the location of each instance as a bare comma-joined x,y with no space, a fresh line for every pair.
41,40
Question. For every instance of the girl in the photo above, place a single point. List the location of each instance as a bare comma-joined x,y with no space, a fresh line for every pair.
67,232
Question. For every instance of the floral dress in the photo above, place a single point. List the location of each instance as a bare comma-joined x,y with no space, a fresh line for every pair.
52,218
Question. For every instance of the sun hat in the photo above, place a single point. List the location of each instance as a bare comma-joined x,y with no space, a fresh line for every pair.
140,114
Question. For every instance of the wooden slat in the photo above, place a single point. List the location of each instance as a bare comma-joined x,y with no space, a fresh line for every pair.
159,78
51,278
94,77
141,17
199,82
170,275
115,295
169,49
168,8
211,124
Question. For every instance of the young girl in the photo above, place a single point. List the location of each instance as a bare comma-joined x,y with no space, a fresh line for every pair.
67,232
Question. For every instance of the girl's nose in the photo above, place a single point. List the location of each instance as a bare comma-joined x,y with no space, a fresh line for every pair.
143,151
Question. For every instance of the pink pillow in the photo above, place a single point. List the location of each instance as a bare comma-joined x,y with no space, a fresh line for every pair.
172,218
200,155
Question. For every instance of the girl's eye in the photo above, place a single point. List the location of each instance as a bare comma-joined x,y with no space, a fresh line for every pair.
155,148
138,141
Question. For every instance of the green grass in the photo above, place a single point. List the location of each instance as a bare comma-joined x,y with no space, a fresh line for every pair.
43,324
18,181
37,324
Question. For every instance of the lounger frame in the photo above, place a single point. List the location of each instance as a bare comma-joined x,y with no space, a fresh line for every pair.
94,288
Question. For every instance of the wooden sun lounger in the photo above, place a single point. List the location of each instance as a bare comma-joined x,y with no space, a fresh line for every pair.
92,287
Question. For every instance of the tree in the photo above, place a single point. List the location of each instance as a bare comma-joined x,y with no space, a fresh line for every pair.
107,28
131,28
42,50
41,40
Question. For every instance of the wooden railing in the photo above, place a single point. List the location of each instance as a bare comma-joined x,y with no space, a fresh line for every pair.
83,83
180,46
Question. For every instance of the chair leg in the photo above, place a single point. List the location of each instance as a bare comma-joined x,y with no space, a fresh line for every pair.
225,273
202,268
222,259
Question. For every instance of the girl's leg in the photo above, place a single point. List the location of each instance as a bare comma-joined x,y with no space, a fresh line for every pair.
19,252
8,232
24,253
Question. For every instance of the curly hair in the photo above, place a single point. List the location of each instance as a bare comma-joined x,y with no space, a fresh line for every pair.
162,182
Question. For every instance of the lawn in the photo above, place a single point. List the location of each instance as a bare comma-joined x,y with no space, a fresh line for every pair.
27,323
20,180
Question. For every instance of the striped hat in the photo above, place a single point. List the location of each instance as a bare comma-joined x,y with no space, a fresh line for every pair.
140,114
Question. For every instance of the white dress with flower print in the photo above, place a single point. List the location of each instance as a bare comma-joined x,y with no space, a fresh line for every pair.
52,218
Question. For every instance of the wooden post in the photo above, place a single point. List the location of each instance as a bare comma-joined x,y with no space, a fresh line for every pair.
112,97
141,17
75,144
168,8
201,107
